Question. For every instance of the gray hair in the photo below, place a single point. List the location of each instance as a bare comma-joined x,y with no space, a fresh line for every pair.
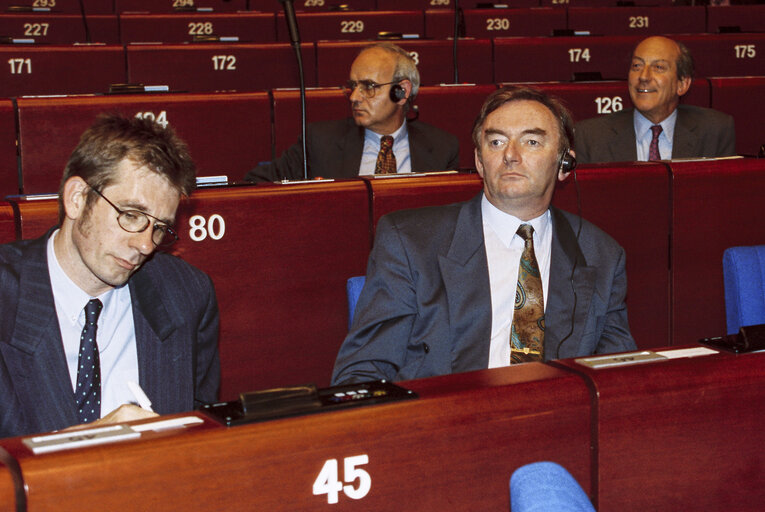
406,69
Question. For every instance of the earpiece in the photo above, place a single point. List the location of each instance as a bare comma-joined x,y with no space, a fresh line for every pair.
567,162
397,93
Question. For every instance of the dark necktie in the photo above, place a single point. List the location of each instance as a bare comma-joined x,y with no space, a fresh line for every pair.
653,149
88,393
386,160
528,331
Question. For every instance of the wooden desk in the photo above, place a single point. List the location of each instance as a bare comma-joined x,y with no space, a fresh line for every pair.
681,434
452,449
7,223
7,484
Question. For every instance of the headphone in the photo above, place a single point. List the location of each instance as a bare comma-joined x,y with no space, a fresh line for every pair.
567,162
397,93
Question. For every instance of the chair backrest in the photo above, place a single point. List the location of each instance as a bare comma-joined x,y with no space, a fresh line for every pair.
744,275
353,287
544,486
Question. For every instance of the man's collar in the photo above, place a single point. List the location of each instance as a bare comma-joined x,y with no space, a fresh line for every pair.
398,135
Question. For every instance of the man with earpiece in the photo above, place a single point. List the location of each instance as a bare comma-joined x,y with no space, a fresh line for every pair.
502,279
377,138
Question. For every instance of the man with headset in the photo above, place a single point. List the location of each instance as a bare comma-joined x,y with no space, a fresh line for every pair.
501,279
377,138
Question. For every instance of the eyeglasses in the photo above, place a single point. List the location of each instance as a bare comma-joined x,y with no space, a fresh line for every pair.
135,221
367,87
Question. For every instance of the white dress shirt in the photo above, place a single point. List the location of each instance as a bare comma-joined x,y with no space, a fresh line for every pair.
503,254
644,135
372,149
115,336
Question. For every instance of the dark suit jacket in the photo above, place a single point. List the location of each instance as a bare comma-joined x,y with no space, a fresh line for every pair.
335,147
426,305
176,325
699,132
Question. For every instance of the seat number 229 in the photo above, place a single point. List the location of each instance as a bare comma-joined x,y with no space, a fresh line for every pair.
358,480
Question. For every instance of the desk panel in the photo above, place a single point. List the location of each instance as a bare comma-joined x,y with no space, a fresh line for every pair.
592,99
747,18
435,61
121,6
631,203
452,449
227,133
279,271
36,70
352,25
491,23
316,5
179,28
640,21
64,6
727,54
544,59
401,193
716,205
682,434
742,98
219,67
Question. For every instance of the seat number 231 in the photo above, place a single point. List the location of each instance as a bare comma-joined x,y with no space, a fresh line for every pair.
358,481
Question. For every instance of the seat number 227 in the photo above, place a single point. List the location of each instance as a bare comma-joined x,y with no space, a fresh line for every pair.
358,480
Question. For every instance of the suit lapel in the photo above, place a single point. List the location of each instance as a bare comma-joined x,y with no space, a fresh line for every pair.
564,290
684,141
469,300
351,146
420,150
153,325
622,143
35,353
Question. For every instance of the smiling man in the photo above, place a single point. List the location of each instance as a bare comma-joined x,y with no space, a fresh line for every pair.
501,279
377,138
89,306
658,128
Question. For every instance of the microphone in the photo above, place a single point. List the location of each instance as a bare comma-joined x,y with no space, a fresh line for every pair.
292,27
289,16
456,38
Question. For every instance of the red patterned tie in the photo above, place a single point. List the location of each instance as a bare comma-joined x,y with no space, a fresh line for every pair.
653,149
528,330
386,160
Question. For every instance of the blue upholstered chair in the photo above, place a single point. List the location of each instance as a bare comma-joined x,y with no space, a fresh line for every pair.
744,275
546,487
353,287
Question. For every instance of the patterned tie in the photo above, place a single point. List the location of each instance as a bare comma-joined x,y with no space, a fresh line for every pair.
88,392
653,149
528,331
386,160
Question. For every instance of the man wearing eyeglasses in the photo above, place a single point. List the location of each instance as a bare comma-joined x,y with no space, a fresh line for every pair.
91,306
658,128
376,139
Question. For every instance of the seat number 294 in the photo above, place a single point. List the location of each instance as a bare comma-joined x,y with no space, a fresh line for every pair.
357,480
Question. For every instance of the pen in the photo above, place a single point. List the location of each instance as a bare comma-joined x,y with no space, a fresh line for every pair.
140,396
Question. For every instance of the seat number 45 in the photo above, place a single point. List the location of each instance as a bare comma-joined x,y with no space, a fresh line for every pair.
358,480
